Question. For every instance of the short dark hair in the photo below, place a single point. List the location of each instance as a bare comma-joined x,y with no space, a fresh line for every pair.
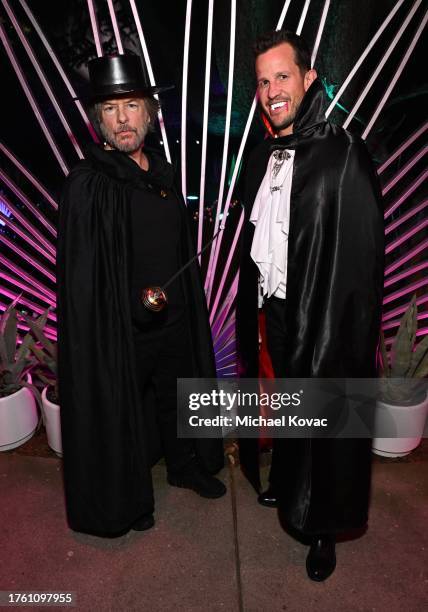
302,55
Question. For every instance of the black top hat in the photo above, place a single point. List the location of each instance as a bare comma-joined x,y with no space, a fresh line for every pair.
118,74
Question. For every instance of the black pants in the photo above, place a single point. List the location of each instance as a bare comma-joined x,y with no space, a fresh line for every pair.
275,337
163,354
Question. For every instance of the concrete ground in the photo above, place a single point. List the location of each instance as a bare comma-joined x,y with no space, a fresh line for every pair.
227,554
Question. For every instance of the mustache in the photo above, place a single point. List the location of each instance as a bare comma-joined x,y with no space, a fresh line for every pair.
125,128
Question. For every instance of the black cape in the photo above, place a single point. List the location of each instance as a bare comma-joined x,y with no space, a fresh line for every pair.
107,461
332,310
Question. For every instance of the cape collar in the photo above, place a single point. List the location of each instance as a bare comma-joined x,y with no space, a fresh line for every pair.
120,166
309,117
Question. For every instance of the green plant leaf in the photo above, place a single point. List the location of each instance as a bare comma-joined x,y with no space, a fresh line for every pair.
420,359
10,335
5,315
402,347
37,329
386,369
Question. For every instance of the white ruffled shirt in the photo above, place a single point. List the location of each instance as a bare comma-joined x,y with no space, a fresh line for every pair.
271,217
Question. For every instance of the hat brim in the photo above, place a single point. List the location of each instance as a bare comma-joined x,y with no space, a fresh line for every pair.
91,95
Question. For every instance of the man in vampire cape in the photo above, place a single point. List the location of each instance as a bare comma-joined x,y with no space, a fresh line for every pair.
312,257
123,228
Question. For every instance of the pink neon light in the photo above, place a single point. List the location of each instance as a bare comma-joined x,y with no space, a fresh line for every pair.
29,227
403,147
414,230
405,273
18,283
419,333
406,194
29,176
21,196
27,258
398,311
60,69
42,77
396,76
382,63
226,268
94,24
394,296
399,262
36,307
219,321
48,330
24,235
403,218
404,170
32,101
151,75
392,324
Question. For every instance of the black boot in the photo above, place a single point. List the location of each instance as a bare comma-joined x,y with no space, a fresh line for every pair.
321,559
268,498
194,477
144,522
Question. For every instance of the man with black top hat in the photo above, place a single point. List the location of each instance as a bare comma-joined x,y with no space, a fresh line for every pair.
123,228
312,258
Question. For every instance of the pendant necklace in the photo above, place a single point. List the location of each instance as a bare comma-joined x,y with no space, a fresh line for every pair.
279,157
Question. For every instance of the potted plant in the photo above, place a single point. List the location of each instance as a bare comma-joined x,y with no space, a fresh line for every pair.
18,410
46,355
403,399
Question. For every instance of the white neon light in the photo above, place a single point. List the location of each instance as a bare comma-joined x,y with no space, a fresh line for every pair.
115,26
184,99
320,32
382,63
363,57
32,100
205,123
151,76
283,15
42,78
226,135
94,24
395,77
218,240
303,17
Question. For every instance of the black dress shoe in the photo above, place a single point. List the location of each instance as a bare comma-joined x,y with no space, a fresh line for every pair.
268,498
194,477
144,522
321,559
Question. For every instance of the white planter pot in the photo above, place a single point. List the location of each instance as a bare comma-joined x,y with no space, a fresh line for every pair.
18,418
408,420
52,421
